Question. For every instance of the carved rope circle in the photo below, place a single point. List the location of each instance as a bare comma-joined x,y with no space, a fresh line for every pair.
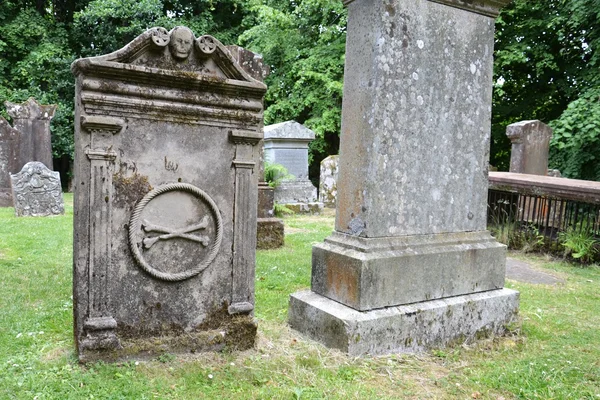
135,224
206,44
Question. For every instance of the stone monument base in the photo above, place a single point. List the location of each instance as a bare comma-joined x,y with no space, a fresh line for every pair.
269,233
403,329
305,208
6,198
373,273
299,191
237,333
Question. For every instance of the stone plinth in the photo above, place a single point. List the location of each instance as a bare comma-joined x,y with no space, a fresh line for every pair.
410,226
36,191
167,140
32,120
9,160
530,145
328,181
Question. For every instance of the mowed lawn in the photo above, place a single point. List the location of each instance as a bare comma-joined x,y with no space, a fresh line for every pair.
554,354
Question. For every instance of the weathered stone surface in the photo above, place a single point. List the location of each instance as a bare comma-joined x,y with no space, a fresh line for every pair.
296,191
328,181
286,143
37,191
9,161
32,120
270,234
269,230
415,123
305,208
166,152
367,274
547,186
530,145
407,328
412,185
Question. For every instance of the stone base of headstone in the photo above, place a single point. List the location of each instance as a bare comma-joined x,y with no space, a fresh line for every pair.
6,198
269,230
237,333
403,329
300,191
269,233
371,273
305,208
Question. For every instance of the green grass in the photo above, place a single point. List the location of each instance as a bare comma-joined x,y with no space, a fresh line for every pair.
554,355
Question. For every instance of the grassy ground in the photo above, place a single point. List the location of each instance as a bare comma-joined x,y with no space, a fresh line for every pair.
555,355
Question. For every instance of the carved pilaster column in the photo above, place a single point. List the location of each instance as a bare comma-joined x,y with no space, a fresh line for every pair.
99,325
244,241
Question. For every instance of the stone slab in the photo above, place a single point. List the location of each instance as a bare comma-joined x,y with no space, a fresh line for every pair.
296,191
305,208
521,271
530,146
368,274
408,328
269,233
550,186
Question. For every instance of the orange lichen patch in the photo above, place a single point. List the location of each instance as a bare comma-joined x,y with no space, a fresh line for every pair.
342,278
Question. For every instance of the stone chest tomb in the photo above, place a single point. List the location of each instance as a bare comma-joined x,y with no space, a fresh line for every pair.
165,198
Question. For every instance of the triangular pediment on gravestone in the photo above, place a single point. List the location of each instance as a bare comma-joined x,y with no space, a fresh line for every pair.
176,55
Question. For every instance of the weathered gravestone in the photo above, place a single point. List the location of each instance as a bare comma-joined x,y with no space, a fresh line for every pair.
410,265
328,181
530,145
165,201
36,191
9,148
32,120
286,143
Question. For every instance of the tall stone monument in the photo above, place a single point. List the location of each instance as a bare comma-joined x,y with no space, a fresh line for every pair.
166,182
286,143
530,145
9,160
410,265
32,120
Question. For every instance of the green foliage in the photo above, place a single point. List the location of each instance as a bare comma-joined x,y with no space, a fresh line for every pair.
580,244
304,43
281,210
575,145
546,58
276,173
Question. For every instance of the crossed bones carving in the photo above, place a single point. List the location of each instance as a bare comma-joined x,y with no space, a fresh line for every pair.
168,233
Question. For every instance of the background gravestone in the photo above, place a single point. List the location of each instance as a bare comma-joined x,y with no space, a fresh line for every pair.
32,120
286,143
37,191
530,145
165,198
9,150
411,265
328,181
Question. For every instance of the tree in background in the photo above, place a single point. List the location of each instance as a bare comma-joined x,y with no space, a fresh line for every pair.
546,68
303,41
